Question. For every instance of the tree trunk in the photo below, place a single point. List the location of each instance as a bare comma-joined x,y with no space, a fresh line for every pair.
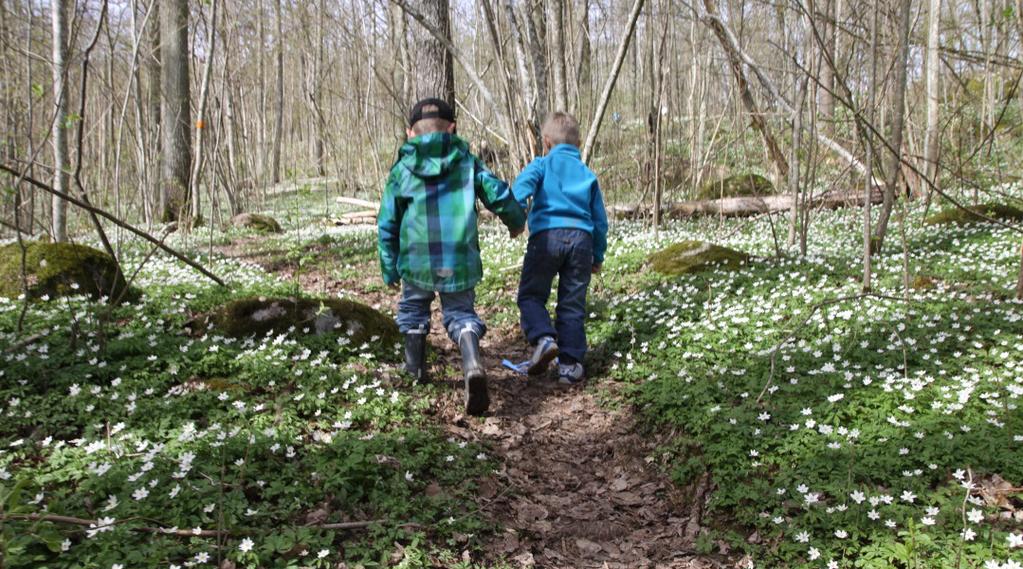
154,113
279,108
869,177
1019,280
894,162
612,78
556,19
826,100
932,136
797,131
538,64
318,151
583,74
176,135
526,78
61,182
432,66
201,113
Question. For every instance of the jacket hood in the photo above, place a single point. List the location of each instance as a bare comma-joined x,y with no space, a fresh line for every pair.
433,154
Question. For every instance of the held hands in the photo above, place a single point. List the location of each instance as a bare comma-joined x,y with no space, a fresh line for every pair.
513,233
596,269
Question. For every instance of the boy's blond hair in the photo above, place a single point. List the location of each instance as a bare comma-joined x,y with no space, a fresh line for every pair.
561,128
428,125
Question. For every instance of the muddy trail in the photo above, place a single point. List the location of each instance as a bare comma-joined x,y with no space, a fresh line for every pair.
578,485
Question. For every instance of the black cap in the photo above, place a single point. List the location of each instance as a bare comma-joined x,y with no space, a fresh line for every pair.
444,111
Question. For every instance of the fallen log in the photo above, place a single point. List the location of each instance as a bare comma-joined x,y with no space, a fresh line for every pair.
360,220
364,213
361,203
744,206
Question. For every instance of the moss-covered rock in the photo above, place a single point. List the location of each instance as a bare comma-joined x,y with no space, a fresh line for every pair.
976,214
61,269
259,315
257,222
695,256
739,185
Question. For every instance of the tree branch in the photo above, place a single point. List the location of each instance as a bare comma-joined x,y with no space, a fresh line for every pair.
122,224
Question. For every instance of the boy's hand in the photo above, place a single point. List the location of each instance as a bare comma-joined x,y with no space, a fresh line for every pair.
596,269
394,286
513,233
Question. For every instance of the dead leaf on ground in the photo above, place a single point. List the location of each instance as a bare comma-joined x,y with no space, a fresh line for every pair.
587,547
524,559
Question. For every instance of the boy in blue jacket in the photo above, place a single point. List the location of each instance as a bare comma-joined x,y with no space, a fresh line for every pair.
568,238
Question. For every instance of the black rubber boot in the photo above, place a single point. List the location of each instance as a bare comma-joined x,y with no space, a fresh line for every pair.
477,399
415,357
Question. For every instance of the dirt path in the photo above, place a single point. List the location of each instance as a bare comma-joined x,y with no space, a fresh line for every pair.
577,488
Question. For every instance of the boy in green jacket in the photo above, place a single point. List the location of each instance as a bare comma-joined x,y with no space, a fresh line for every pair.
430,243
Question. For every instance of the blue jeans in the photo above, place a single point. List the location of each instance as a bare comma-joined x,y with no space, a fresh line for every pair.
568,254
458,309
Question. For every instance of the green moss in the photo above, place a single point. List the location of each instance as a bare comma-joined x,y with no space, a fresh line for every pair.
260,315
257,222
60,269
739,185
695,256
975,214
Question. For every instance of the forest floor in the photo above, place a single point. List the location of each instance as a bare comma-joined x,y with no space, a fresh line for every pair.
577,487
770,413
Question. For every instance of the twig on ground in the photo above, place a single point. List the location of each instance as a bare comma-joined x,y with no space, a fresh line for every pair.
71,520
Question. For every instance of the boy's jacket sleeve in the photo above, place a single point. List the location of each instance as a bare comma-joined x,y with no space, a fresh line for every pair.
497,196
599,225
392,208
527,182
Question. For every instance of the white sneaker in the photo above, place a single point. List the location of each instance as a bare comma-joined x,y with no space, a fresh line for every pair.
570,374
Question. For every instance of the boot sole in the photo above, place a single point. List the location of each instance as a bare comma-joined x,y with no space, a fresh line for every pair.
545,360
477,397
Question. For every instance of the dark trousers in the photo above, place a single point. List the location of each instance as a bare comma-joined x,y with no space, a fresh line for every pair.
567,254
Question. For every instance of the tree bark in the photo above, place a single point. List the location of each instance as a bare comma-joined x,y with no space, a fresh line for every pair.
1019,280
279,106
432,66
201,113
583,73
59,12
538,63
894,162
556,18
826,103
612,78
932,135
176,91
868,269
526,77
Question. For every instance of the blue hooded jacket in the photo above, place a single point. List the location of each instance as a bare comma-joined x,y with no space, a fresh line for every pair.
565,194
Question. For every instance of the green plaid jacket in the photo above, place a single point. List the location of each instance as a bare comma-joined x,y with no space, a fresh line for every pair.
427,219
